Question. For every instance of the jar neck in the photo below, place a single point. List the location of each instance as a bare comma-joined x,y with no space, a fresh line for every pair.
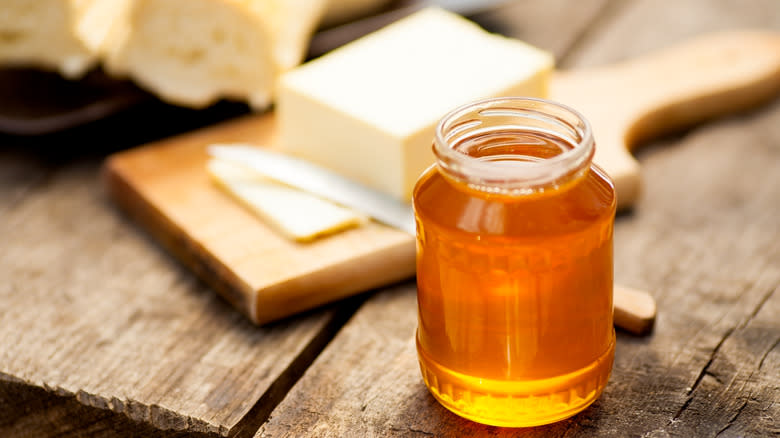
514,145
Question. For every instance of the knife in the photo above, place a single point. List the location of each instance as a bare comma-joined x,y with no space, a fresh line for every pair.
634,310
321,182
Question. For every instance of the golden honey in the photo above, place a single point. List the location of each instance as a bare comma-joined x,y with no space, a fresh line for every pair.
514,265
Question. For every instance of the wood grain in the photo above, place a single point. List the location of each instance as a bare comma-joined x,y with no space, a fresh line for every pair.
94,311
31,411
704,236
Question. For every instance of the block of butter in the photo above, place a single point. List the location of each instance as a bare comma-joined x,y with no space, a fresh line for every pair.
368,110
293,213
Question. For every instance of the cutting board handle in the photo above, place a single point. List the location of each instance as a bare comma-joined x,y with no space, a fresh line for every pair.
705,77
634,310
667,90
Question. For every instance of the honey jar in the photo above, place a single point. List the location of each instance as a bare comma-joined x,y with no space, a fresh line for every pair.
514,264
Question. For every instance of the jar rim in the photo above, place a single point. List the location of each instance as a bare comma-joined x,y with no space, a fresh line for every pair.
525,173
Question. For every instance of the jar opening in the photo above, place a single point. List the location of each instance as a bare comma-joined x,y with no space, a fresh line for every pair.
513,144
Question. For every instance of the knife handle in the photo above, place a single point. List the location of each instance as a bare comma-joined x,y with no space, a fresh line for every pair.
634,310
333,37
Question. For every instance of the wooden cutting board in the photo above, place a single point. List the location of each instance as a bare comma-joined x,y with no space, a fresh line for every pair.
165,188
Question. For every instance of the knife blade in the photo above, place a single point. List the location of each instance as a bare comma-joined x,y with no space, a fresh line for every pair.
321,182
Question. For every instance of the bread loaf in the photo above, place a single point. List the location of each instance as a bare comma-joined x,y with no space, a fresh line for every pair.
194,52
47,33
188,52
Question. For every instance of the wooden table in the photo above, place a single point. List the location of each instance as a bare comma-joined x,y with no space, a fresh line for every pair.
102,333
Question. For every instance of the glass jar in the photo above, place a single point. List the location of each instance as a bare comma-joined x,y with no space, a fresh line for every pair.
514,264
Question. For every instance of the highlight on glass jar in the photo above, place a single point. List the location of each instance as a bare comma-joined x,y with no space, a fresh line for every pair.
514,264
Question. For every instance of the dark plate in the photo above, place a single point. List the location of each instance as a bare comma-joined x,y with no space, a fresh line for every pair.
34,102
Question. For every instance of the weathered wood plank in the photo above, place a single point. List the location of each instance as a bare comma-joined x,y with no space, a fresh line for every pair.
19,173
737,390
553,25
636,27
704,237
367,382
93,310
33,412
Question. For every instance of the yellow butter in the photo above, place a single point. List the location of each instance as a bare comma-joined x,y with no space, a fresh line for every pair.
368,110
293,213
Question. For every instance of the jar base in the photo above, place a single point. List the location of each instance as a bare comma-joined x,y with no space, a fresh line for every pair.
517,403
